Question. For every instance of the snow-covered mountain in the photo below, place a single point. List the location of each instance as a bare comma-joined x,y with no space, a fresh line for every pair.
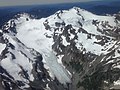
69,50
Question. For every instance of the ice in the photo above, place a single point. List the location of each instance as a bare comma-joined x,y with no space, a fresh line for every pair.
32,34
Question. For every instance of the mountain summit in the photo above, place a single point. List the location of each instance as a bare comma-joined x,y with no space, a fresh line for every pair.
69,50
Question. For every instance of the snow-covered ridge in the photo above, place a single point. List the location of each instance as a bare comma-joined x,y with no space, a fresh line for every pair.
76,17
83,28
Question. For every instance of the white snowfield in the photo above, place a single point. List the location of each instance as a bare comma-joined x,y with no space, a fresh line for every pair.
32,33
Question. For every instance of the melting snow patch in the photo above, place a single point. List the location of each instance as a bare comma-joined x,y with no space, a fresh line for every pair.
2,47
117,82
59,59
72,36
65,43
47,87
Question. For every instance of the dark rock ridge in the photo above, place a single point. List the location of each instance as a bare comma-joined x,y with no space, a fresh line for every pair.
84,46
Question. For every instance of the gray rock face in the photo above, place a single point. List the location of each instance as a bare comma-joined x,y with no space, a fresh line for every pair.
82,47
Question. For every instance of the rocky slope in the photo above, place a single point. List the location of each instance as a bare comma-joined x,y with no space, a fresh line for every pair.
70,50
